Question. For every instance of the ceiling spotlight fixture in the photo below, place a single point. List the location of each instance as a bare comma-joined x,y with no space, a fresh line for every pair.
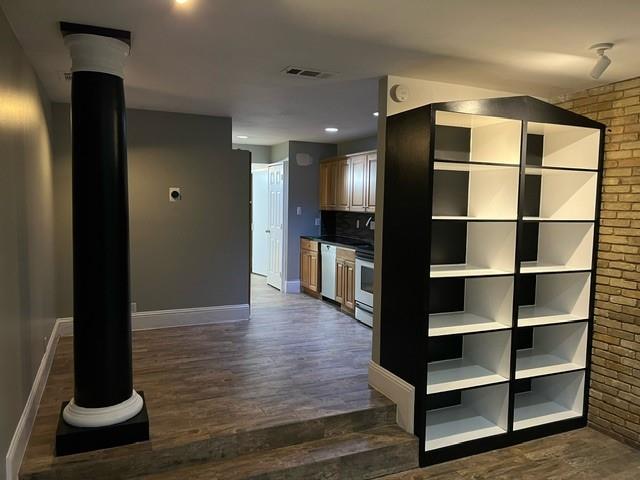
375,114
244,137
603,61
181,2
331,129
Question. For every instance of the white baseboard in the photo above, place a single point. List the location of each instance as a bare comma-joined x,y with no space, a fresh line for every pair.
292,286
181,317
139,321
396,390
18,444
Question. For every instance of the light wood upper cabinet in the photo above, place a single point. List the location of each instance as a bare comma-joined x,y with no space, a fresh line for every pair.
349,183
372,165
358,188
343,184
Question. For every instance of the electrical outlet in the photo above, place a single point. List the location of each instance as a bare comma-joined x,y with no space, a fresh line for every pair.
174,194
372,225
317,222
357,223
298,210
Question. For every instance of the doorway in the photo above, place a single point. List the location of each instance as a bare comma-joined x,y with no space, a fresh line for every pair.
259,220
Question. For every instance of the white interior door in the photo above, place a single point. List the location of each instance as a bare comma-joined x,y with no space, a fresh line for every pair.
260,221
276,202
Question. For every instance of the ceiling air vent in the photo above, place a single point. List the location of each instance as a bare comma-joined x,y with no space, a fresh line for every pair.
307,73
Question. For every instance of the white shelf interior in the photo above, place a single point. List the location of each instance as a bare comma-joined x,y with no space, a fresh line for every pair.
551,399
485,360
490,251
568,146
493,139
556,349
481,413
492,192
566,195
559,298
562,247
488,304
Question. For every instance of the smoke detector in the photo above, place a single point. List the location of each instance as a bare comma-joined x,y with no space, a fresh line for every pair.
307,73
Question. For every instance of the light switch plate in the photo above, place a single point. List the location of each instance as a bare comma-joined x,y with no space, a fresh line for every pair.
317,222
298,210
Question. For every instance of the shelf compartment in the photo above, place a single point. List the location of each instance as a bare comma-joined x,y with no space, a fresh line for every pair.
475,191
479,413
477,138
472,249
475,360
554,298
557,247
555,349
485,304
559,195
563,146
549,399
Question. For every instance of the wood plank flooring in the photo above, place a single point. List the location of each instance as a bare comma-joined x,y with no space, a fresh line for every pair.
297,359
583,454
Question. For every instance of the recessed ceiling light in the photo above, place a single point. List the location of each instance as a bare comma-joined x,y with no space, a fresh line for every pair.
331,129
375,114
181,2
242,136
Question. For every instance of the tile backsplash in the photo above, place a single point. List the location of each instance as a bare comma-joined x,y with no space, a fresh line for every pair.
345,224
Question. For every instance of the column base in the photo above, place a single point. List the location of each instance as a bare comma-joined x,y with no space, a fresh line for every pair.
71,439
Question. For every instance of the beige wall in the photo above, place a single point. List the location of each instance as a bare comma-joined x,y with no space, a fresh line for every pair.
26,232
192,253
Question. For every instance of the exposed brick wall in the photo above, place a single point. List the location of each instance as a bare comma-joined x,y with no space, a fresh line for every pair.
615,381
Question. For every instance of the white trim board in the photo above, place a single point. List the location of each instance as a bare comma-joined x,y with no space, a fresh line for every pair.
18,444
139,321
180,317
397,390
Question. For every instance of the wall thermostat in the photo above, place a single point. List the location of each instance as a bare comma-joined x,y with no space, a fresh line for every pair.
174,194
399,93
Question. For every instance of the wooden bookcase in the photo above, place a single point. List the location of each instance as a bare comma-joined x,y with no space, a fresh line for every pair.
488,311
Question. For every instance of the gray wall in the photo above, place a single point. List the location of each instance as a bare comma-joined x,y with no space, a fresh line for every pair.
259,153
191,253
304,191
358,145
279,152
26,222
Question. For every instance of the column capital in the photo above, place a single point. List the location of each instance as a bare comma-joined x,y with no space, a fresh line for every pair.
97,53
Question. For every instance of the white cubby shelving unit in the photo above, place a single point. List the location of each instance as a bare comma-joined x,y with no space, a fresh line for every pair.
481,412
549,399
504,287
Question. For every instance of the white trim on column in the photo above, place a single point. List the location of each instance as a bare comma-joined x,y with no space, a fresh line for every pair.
18,444
102,416
397,390
97,53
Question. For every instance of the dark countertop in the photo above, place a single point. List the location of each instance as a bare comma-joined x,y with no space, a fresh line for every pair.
346,242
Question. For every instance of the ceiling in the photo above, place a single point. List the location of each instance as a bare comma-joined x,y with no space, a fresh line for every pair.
224,57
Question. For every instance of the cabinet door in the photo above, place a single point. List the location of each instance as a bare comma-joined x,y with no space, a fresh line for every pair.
340,281
372,165
313,271
327,185
358,183
349,284
343,184
304,268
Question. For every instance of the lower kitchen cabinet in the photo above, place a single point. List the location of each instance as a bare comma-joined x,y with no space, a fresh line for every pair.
346,279
309,267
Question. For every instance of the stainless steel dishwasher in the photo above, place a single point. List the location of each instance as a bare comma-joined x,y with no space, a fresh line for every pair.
328,257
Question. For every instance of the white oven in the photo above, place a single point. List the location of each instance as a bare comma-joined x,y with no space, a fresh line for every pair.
364,289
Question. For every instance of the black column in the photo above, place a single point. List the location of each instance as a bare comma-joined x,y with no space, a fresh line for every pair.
102,318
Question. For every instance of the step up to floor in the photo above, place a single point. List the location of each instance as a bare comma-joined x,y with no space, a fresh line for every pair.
360,455
354,431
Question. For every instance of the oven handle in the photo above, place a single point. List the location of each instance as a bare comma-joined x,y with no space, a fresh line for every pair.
364,307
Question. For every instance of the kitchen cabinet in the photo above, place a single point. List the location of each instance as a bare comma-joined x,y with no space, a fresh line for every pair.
346,279
309,266
349,183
